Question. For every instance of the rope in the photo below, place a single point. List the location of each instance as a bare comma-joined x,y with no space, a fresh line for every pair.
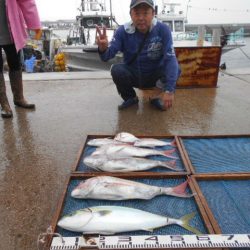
234,75
42,238
244,53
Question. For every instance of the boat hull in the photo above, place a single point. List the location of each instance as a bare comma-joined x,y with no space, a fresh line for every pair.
87,59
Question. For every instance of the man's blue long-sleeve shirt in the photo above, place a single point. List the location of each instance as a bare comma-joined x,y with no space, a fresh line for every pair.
157,52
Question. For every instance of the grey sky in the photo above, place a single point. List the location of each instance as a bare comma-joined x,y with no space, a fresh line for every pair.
199,11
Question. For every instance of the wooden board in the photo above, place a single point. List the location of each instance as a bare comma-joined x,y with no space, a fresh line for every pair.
199,66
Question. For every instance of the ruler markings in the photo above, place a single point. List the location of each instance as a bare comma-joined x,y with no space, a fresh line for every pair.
153,242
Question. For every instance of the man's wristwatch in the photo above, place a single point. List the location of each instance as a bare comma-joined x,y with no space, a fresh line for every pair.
168,92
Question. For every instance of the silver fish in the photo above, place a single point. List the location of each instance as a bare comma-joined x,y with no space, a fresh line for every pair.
113,188
98,142
126,137
114,219
126,164
124,150
142,142
151,143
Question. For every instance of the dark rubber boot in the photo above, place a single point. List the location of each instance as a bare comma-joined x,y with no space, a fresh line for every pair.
128,103
6,111
16,83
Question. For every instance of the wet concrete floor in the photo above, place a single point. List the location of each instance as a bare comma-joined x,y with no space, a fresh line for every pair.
38,148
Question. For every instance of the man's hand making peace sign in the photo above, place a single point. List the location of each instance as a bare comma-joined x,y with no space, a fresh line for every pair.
101,38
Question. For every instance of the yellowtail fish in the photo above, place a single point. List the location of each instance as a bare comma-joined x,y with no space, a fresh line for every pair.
115,219
124,150
126,164
113,188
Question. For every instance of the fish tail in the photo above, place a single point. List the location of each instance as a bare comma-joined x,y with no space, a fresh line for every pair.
180,190
170,165
185,223
173,143
168,153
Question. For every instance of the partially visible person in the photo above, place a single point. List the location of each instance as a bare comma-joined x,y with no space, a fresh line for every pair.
15,17
149,56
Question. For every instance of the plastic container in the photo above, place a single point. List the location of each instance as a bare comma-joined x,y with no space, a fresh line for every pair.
29,64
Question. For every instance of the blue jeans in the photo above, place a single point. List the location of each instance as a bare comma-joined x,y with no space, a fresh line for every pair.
126,78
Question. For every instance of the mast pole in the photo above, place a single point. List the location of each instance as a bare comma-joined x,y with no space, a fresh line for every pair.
111,14
187,10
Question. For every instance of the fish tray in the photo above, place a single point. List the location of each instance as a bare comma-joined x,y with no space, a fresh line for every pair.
226,200
85,150
174,207
218,169
217,154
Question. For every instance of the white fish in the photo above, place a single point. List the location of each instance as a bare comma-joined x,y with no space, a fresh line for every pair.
98,142
126,137
126,164
114,219
142,142
113,188
151,143
124,150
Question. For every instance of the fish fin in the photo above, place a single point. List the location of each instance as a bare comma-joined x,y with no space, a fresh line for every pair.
170,165
168,153
173,143
180,190
185,223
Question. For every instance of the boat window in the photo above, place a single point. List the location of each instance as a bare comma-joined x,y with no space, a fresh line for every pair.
170,24
90,22
178,25
104,22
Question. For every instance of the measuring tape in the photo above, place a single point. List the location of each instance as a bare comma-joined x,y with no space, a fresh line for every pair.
153,242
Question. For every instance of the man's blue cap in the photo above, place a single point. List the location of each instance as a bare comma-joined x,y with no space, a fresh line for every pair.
134,3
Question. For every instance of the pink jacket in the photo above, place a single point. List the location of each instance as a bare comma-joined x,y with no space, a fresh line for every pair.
22,15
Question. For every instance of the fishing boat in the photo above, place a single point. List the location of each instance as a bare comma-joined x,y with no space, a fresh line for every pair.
81,48
227,36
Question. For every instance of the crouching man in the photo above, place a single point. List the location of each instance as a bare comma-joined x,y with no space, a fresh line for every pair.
148,55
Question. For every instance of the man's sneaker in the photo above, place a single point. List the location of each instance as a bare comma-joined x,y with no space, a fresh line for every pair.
128,103
157,103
